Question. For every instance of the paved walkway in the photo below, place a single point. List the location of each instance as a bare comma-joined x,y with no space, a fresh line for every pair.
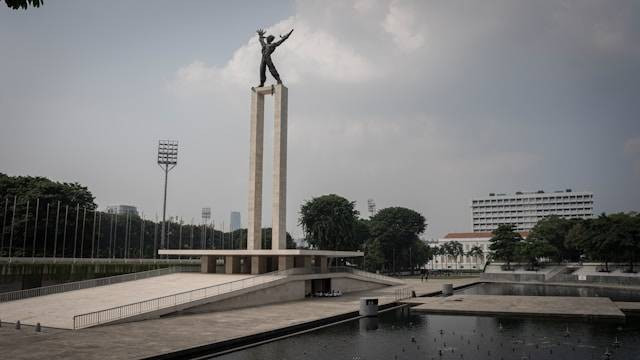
153,337
57,310
588,307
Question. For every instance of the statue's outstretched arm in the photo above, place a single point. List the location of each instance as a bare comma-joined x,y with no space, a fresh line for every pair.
283,38
261,36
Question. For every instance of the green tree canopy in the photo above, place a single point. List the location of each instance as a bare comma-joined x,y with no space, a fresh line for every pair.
17,4
395,231
554,230
533,248
475,251
503,243
32,188
453,249
330,222
624,232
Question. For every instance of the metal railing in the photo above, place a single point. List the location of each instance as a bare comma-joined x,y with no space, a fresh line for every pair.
403,293
85,284
374,276
145,306
60,260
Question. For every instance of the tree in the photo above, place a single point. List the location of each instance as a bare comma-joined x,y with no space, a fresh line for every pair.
423,254
592,237
453,249
17,4
554,230
503,243
329,223
532,249
266,239
374,258
395,230
624,232
32,188
475,252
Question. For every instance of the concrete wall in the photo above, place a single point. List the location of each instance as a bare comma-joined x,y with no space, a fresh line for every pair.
512,276
351,285
269,292
290,291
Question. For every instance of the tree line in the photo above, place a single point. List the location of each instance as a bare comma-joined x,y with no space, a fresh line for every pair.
389,238
43,218
605,239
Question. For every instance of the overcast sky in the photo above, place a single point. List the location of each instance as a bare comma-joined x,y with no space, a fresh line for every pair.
416,104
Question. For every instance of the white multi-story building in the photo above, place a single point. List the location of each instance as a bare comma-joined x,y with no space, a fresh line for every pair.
524,209
464,262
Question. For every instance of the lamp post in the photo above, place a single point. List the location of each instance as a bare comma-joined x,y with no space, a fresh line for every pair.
167,160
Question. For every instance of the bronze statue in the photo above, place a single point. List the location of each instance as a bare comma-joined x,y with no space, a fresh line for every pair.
267,49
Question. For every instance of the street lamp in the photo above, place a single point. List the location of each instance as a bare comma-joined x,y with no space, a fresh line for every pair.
167,159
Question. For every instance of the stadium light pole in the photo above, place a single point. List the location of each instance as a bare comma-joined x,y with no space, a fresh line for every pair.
167,160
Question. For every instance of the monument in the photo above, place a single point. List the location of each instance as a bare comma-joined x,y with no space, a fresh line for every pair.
254,259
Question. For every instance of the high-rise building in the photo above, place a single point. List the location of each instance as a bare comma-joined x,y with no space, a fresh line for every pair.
524,209
122,210
235,222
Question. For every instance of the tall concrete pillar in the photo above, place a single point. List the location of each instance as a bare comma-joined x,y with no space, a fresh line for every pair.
285,262
232,264
256,145
324,264
208,264
258,265
279,208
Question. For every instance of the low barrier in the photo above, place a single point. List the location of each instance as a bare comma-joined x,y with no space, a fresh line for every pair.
403,293
85,284
138,308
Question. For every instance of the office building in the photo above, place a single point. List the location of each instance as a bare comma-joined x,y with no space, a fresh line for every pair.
525,209
235,222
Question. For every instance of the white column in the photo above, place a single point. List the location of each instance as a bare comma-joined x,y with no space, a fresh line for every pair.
279,210
256,144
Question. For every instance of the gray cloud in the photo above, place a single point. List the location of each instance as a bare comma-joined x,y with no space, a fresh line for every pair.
417,104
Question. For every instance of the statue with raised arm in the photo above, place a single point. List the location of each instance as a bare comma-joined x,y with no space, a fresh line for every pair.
268,48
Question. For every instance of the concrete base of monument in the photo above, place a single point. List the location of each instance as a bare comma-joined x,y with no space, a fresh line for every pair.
272,289
262,261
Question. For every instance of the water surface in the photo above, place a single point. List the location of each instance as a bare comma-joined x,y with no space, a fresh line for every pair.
397,335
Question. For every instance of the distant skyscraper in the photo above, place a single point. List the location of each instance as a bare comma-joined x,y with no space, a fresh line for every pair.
524,209
235,222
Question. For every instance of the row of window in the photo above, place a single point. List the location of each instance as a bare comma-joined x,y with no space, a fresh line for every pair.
519,219
532,199
493,214
532,210
537,205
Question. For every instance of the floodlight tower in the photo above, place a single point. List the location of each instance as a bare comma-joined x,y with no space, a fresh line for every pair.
167,159
206,216
371,205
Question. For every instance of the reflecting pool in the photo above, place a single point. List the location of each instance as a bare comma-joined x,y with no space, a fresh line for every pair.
406,335
615,294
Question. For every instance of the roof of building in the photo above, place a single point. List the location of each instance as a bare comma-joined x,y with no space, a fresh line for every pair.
475,235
